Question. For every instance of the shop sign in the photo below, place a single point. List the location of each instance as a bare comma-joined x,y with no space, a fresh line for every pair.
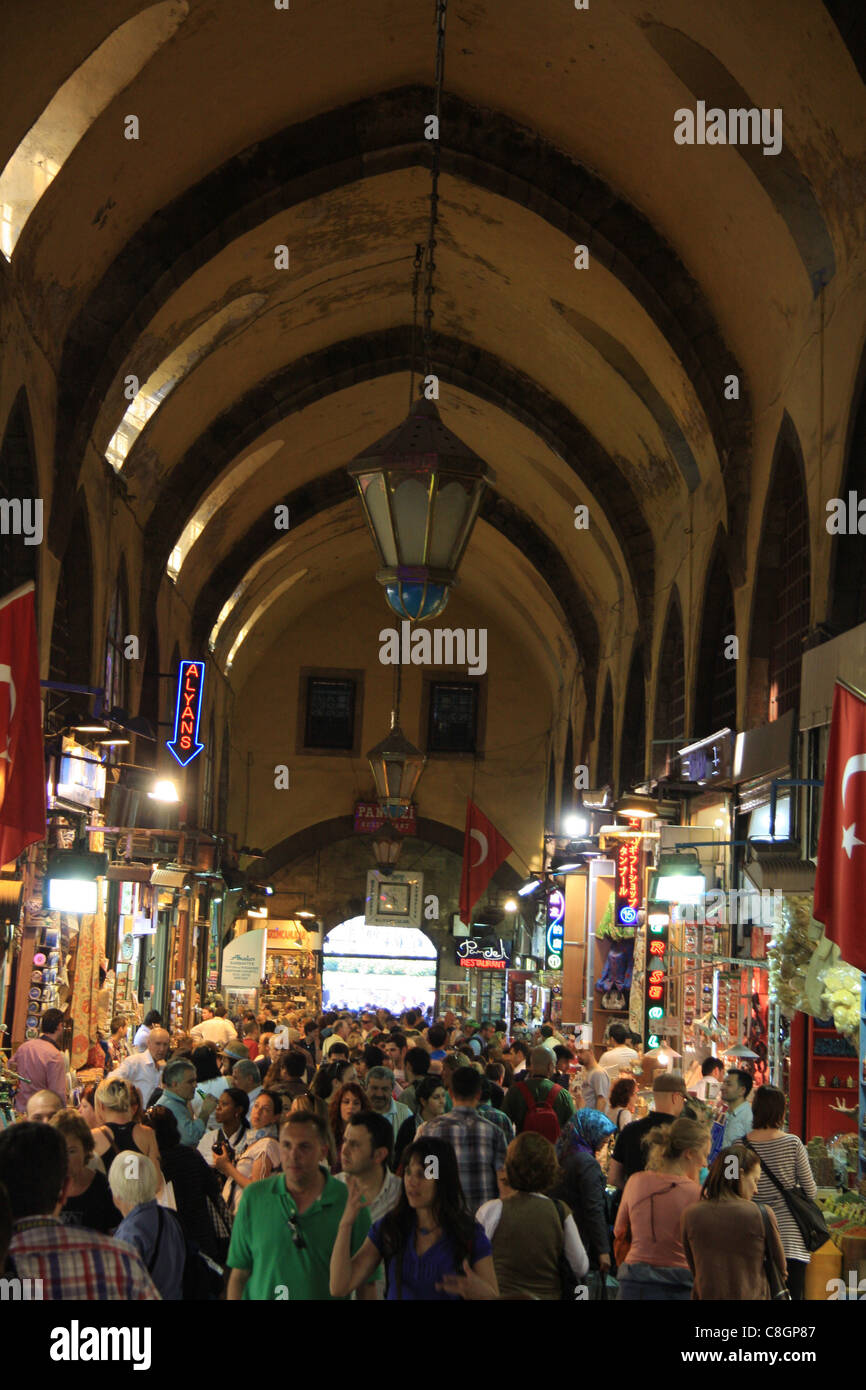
81,776
187,712
628,894
709,760
369,818
658,926
243,965
286,935
474,954
555,937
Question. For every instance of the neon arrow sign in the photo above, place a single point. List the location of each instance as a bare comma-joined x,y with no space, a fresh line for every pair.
185,745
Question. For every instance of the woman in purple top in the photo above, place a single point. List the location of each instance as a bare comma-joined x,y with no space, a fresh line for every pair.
428,1235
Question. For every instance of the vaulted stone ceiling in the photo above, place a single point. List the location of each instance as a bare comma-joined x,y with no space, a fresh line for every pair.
261,127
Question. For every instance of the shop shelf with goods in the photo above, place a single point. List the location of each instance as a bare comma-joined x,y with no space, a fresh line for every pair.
825,1075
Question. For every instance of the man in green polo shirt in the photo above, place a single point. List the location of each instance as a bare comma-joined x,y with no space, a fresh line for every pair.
286,1226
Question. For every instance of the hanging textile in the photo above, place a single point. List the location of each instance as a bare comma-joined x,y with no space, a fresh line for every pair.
85,988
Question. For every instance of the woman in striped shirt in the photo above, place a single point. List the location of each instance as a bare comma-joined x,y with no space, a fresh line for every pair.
786,1158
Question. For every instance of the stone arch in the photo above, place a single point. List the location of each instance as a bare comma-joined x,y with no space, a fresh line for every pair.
781,591
19,482
604,749
72,632
715,689
847,601
669,721
632,759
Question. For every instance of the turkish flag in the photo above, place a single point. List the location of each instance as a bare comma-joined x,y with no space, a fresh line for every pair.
840,879
22,761
484,849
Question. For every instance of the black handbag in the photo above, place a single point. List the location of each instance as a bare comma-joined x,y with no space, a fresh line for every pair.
779,1291
808,1217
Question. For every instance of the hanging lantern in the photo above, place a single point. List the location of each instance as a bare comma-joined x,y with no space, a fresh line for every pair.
387,845
396,765
421,488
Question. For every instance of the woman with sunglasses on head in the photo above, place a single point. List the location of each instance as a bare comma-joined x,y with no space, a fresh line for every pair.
429,1235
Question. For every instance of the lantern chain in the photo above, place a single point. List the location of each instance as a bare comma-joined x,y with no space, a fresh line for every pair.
441,6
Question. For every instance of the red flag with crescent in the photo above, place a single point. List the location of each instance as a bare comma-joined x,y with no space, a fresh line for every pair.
840,878
22,761
484,849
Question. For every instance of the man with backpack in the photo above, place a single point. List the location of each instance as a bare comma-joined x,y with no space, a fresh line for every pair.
537,1104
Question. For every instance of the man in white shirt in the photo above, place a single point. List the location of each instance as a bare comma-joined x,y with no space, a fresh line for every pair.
144,1069
340,1034
619,1057
216,1029
153,1019
710,1084
735,1092
367,1148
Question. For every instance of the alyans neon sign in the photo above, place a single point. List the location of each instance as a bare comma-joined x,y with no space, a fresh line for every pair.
187,713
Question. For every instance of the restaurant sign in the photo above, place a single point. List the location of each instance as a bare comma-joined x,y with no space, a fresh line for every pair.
476,955
369,818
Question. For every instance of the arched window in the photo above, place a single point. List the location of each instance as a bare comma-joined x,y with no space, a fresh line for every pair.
632,763
19,489
780,617
604,755
670,711
715,702
73,109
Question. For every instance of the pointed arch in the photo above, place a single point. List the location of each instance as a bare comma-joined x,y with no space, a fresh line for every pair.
632,756
847,601
669,722
604,751
566,803
780,605
715,697
19,484
71,659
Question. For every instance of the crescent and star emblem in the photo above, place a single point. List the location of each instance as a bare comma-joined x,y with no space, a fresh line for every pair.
855,764
482,846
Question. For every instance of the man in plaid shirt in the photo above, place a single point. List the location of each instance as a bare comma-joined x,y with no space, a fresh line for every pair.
479,1144
72,1263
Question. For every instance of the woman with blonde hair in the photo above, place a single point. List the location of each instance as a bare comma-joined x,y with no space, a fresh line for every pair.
647,1236
116,1103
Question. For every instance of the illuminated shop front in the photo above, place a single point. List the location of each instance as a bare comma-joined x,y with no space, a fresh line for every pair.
381,967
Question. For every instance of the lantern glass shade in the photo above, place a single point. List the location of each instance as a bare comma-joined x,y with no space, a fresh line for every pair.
396,765
387,845
421,488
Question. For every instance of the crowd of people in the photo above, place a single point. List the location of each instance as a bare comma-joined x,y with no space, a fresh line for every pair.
368,1157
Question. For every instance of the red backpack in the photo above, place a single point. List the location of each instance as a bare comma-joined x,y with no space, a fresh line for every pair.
541,1118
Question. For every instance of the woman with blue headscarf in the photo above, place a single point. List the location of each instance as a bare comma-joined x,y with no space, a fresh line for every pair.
582,1182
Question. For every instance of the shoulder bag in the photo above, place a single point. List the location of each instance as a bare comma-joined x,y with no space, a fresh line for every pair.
807,1215
779,1292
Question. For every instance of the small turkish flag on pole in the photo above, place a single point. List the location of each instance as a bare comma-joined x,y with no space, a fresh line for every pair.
840,878
22,760
484,849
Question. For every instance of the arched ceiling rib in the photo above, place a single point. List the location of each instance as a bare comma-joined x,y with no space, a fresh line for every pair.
345,364
367,138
